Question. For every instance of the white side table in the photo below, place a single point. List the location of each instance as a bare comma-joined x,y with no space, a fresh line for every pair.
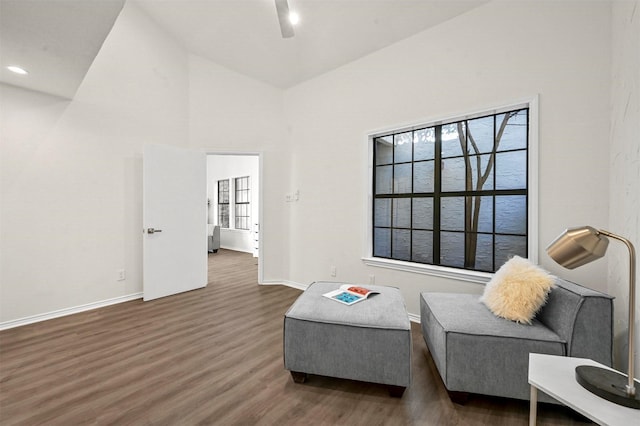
555,376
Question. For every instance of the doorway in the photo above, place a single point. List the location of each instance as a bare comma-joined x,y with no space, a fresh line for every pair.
234,205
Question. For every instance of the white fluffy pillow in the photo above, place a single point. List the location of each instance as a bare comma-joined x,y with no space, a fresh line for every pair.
518,290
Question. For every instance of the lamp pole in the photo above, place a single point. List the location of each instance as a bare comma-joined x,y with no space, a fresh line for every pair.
631,389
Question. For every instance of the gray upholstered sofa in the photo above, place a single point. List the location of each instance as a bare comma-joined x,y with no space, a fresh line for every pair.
478,352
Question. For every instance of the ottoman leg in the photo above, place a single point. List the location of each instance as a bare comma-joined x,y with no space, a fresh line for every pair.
460,398
396,391
298,377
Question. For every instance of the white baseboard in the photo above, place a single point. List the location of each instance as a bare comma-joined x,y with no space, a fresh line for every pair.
414,318
287,283
67,311
240,249
294,284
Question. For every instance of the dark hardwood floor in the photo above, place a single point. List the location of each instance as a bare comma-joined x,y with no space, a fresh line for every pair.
210,356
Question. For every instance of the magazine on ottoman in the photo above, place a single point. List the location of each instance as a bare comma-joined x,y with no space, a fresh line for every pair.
350,294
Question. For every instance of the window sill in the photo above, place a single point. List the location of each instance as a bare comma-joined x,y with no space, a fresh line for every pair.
437,271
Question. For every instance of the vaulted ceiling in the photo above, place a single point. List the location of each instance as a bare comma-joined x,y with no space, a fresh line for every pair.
57,40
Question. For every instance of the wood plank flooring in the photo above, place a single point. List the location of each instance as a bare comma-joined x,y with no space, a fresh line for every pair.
210,356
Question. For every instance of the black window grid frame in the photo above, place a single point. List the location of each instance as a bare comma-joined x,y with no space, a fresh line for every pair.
437,194
223,203
242,192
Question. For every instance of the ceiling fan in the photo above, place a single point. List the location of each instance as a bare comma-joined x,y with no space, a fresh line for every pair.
286,18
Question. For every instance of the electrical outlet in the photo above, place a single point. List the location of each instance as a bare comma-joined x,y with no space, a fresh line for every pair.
372,279
121,275
334,272
292,197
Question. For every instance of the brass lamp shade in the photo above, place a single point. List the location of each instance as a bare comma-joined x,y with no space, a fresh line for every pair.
578,246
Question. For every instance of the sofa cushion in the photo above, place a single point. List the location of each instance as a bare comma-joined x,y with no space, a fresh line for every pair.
517,290
383,310
475,351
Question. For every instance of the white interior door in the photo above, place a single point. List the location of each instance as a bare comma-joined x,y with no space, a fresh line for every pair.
174,221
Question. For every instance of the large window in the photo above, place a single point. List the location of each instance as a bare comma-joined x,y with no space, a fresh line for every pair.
453,194
223,203
242,202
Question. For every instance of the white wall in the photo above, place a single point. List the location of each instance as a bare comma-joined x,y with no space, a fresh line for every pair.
232,113
229,167
71,172
71,212
495,54
624,188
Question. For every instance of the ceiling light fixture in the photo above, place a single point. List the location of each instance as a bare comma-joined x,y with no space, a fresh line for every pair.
17,70
294,18
284,18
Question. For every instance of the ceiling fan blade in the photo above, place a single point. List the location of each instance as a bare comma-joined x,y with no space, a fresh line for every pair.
286,28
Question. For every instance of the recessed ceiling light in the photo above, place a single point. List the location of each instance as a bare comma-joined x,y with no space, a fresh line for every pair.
17,70
294,18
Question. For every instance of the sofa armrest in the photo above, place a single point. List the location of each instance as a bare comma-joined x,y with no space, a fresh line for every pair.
583,318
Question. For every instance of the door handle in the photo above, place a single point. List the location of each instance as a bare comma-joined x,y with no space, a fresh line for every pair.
153,230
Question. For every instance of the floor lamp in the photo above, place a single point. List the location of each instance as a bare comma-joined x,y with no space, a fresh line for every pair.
576,247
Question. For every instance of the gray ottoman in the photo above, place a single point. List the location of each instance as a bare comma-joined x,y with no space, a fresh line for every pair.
369,341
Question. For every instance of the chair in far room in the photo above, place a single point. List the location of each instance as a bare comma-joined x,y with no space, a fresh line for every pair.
213,238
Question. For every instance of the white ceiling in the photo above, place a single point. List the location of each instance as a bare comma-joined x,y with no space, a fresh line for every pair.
57,40
244,35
